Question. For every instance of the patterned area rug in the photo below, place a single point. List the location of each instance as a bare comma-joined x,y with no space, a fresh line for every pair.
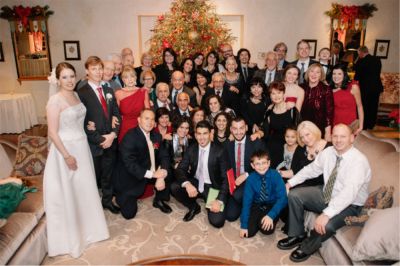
152,233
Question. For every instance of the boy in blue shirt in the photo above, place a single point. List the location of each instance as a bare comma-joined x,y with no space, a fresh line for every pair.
264,197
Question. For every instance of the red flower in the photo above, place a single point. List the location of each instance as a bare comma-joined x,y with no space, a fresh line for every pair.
156,145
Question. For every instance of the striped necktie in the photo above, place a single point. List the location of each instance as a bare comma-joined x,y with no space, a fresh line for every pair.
331,181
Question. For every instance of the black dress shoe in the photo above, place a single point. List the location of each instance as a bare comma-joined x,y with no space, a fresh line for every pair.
298,255
164,207
111,207
192,213
290,242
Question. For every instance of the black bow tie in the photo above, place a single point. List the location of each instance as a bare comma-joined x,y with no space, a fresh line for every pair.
324,65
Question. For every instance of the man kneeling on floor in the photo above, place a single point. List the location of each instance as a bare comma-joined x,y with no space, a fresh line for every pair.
202,172
346,176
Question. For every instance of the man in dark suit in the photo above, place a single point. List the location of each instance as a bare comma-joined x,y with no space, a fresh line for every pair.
245,67
101,106
143,159
281,49
220,88
239,152
182,108
304,61
203,167
162,94
368,71
270,73
178,80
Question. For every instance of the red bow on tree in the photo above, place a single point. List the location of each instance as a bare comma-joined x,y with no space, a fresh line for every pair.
23,13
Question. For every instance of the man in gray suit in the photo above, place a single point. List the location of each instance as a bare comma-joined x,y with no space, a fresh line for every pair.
270,73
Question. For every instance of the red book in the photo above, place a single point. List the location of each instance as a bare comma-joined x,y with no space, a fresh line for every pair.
231,180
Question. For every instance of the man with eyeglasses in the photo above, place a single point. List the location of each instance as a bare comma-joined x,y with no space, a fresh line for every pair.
281,50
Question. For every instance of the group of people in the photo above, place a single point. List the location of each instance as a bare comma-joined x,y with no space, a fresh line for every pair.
235,136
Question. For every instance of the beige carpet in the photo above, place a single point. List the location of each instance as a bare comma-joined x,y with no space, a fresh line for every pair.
152,233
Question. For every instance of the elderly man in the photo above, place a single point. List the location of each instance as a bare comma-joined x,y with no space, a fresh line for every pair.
178,80
220,88
162,93
304,61
346,174
182,107
281,49
270,73
108,74
116,59
127,57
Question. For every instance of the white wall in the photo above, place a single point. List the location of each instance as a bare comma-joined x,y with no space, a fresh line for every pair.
104,26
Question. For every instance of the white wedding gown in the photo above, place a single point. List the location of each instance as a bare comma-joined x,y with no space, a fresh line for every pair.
75,217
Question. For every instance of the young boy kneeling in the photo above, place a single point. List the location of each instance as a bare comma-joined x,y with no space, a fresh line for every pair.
264,197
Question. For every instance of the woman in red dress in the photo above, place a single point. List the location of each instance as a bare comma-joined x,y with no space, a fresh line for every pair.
346,99
131,101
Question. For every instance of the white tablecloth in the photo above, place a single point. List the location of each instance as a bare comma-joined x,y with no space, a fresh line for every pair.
17,112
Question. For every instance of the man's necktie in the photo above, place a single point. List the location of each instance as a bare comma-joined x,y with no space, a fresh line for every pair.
263,190
218,93
302,73
331,181
102,101
151,152
174,98
245,74
200,173
238,159
269,78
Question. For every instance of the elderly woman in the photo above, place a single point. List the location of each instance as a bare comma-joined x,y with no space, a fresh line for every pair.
346,99
146,64
294,94
148,78
167,67
131,101
318,100
310,145
233,78
215,106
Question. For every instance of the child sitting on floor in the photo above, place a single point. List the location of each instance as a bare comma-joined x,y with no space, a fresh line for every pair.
264,197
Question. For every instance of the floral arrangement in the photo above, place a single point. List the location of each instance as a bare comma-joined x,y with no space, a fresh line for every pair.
395,119
191,26
22,13
350,12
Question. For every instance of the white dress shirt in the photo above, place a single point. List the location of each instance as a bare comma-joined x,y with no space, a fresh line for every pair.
206,173
306,64
352,180
161,104
94,88
149,173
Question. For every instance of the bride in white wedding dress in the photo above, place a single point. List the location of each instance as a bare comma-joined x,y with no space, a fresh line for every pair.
75,217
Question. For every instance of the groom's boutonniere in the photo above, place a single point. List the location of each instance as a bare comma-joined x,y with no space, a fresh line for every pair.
156,145
109,97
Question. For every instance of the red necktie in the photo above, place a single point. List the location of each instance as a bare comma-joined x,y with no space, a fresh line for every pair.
103,101
238,159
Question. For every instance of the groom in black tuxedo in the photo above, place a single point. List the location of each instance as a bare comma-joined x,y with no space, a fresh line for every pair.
203,167
143,158
101,107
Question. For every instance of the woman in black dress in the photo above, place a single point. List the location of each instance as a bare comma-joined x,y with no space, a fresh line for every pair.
222,124
278,118
164,71
254,105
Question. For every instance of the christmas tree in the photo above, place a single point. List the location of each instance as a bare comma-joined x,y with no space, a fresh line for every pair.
191,26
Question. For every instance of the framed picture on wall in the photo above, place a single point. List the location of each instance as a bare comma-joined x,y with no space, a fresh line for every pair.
72,50
313,47
1,52
382,48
